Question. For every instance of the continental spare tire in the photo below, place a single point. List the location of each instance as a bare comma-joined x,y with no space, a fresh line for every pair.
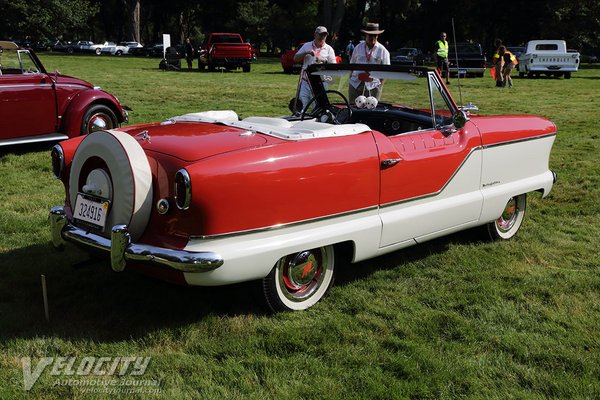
112,165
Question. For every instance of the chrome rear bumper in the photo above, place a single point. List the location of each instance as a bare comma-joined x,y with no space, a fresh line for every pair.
121,249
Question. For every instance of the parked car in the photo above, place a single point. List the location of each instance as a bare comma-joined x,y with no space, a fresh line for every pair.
466,59
226,50
80,46
408,56
153,50
290,66
548,57
120,49
38,106
287,200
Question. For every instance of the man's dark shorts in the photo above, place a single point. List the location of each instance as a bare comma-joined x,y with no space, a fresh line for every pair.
442,63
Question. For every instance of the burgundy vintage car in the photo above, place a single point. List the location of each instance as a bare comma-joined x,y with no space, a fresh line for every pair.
209,199
37,106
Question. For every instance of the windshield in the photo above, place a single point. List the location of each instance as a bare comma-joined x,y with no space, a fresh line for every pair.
392,99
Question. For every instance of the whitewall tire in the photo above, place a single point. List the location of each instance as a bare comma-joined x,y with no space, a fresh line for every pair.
300,280
508,224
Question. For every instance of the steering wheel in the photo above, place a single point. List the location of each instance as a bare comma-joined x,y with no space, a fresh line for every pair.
326,114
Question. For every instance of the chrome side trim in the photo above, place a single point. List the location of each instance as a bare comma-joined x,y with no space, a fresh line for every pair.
122,250
279,226
489,146
33,139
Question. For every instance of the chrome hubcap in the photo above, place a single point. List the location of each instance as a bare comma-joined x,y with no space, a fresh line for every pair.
302,273
509,216
99,122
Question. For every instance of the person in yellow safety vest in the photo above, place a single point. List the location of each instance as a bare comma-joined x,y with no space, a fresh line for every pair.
497,63
441,55
509,61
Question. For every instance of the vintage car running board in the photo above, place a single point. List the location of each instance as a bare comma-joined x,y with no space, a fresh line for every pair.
50,137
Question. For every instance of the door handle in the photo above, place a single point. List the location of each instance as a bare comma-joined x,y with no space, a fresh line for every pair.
390,162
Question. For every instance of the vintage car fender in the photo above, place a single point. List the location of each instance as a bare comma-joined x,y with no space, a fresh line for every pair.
73,114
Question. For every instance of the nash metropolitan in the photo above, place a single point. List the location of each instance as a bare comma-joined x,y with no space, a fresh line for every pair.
209,199
37,106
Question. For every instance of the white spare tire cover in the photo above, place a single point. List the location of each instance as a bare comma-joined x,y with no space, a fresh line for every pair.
130,175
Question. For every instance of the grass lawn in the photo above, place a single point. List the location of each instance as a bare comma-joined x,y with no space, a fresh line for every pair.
455,317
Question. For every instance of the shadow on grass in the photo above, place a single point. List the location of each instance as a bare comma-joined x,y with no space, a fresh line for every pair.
93,302
349,273
87,300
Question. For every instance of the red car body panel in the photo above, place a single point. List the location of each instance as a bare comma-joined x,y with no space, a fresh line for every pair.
428,161
29,100
513,128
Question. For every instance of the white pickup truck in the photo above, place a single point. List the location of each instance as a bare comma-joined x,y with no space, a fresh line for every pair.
548,57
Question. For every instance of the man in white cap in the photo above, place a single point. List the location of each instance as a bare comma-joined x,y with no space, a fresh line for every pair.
369,51
315,51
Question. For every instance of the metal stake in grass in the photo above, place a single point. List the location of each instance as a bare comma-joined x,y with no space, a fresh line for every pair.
45,295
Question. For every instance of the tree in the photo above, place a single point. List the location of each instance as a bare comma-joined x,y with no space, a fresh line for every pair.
133,8
46,18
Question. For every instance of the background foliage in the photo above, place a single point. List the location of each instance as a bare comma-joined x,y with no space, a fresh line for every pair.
283,23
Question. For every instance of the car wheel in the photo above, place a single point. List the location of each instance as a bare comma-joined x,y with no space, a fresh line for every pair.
508,224
211,67
119,53
98,51
97,118
300,280
567,75
246,68
70,50
113,166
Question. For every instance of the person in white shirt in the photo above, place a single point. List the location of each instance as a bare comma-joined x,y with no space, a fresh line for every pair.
369,51
313,52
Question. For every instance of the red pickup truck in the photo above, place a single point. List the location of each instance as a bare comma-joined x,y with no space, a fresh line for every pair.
226,50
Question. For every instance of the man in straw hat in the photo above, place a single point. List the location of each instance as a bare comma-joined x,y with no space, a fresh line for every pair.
369,51
315,51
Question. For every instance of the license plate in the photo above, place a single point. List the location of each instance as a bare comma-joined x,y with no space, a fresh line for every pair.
91,210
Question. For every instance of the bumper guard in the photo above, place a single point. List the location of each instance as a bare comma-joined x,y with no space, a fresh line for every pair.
121,249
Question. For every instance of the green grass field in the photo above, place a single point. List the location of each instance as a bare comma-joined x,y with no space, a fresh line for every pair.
454,318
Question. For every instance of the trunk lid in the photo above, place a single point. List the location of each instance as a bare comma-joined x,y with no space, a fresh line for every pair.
192,141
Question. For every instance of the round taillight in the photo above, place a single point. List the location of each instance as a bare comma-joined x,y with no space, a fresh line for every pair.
58,161
183,189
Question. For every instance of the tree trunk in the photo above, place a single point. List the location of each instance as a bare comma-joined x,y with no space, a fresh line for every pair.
133,8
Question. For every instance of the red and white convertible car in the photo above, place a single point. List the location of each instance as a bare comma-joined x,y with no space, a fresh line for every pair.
209,199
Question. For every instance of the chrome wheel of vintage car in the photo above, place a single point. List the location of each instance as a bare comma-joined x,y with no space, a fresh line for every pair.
98,118
507,225
300,280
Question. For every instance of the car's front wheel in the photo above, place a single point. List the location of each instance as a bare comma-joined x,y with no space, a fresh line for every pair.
98,118
508,224
300,280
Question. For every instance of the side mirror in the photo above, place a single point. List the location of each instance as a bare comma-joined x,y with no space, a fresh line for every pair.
459,119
